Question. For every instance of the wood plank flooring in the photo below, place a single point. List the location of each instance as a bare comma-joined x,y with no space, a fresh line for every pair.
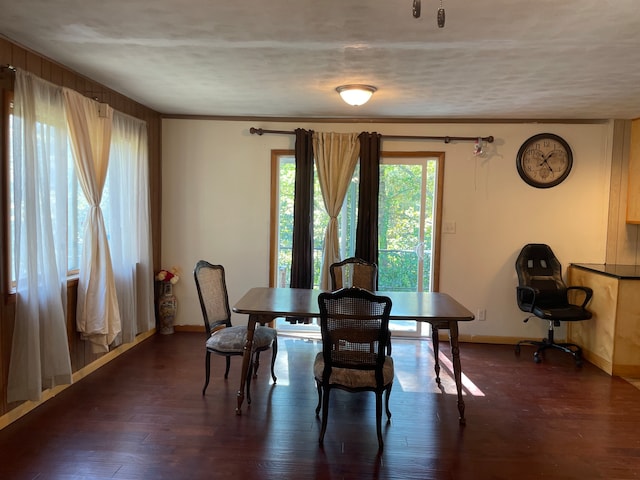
143,417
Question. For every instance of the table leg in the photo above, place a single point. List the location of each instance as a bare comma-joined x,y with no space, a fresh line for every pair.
457,367
246,360
436,350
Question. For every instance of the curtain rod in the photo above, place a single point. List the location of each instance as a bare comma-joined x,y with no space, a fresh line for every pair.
8,67
489,139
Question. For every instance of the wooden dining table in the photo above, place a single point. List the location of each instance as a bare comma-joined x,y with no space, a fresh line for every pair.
263,305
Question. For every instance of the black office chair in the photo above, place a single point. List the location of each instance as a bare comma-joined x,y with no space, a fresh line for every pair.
542,291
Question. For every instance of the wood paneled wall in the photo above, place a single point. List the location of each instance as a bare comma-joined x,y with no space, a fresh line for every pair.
623,239
20,57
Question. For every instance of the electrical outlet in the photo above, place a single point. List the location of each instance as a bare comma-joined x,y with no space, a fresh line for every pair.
481,314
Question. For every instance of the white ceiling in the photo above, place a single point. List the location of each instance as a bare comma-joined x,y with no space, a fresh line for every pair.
495,59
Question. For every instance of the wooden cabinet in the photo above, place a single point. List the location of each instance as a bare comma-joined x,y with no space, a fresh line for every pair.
633,199
611,339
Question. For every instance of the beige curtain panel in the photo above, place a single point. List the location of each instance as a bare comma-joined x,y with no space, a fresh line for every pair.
98,316
336,157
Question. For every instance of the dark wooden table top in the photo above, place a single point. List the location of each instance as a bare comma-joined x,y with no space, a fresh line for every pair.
418,306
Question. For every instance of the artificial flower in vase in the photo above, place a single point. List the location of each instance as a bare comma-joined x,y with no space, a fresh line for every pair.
167,302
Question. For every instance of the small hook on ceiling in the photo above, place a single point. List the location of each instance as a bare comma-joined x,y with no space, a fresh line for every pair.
416,8
441,16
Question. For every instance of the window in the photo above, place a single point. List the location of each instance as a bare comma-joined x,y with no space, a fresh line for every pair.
409,215
283,181
116,300
77,206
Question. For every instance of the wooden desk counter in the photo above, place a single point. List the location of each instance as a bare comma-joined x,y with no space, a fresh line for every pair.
611,339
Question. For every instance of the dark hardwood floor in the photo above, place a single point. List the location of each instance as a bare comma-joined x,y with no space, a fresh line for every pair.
143,417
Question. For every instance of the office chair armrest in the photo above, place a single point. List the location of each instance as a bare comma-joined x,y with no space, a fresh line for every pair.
588,293
526,297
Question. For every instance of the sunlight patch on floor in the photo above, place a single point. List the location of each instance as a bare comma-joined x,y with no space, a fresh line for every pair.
409,380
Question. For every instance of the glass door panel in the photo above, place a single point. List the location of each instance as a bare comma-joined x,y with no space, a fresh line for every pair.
408,187
408,212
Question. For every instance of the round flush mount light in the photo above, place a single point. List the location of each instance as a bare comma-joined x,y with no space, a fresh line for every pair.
356,94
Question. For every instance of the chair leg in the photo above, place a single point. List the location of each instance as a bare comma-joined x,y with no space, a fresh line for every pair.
226,370
256,364
325,414
388,394
249,377
207,371
319,387
274,353
379,419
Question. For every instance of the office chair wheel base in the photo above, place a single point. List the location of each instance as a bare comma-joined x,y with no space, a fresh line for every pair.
536,358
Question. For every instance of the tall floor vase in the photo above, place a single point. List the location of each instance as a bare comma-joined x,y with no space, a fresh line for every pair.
167,307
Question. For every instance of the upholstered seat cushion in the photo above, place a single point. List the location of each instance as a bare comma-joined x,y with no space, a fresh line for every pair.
353,378
232,339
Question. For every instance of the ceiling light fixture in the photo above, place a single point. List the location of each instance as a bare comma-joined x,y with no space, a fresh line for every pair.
356,94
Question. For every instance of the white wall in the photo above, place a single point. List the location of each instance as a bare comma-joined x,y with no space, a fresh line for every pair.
216,194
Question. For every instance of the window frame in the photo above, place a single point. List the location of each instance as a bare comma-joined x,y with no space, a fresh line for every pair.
7,107
438,197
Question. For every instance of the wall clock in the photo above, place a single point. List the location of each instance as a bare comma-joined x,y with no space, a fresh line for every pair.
544,160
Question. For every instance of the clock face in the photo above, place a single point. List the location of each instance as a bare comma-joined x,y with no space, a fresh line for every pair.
544,160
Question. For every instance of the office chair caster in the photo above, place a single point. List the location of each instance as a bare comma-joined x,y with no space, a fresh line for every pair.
536,356
578,358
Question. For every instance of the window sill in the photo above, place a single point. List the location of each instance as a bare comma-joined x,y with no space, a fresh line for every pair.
72,281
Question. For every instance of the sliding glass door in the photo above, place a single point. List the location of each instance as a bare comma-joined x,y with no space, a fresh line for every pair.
409,219
408,222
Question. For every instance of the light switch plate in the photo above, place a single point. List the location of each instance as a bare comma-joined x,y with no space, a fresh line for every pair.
449,227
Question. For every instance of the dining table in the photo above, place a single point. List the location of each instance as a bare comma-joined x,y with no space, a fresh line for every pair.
265,304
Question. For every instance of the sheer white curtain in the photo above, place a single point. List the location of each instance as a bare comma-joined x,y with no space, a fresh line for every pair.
126,203
336,156
98,314
40,349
